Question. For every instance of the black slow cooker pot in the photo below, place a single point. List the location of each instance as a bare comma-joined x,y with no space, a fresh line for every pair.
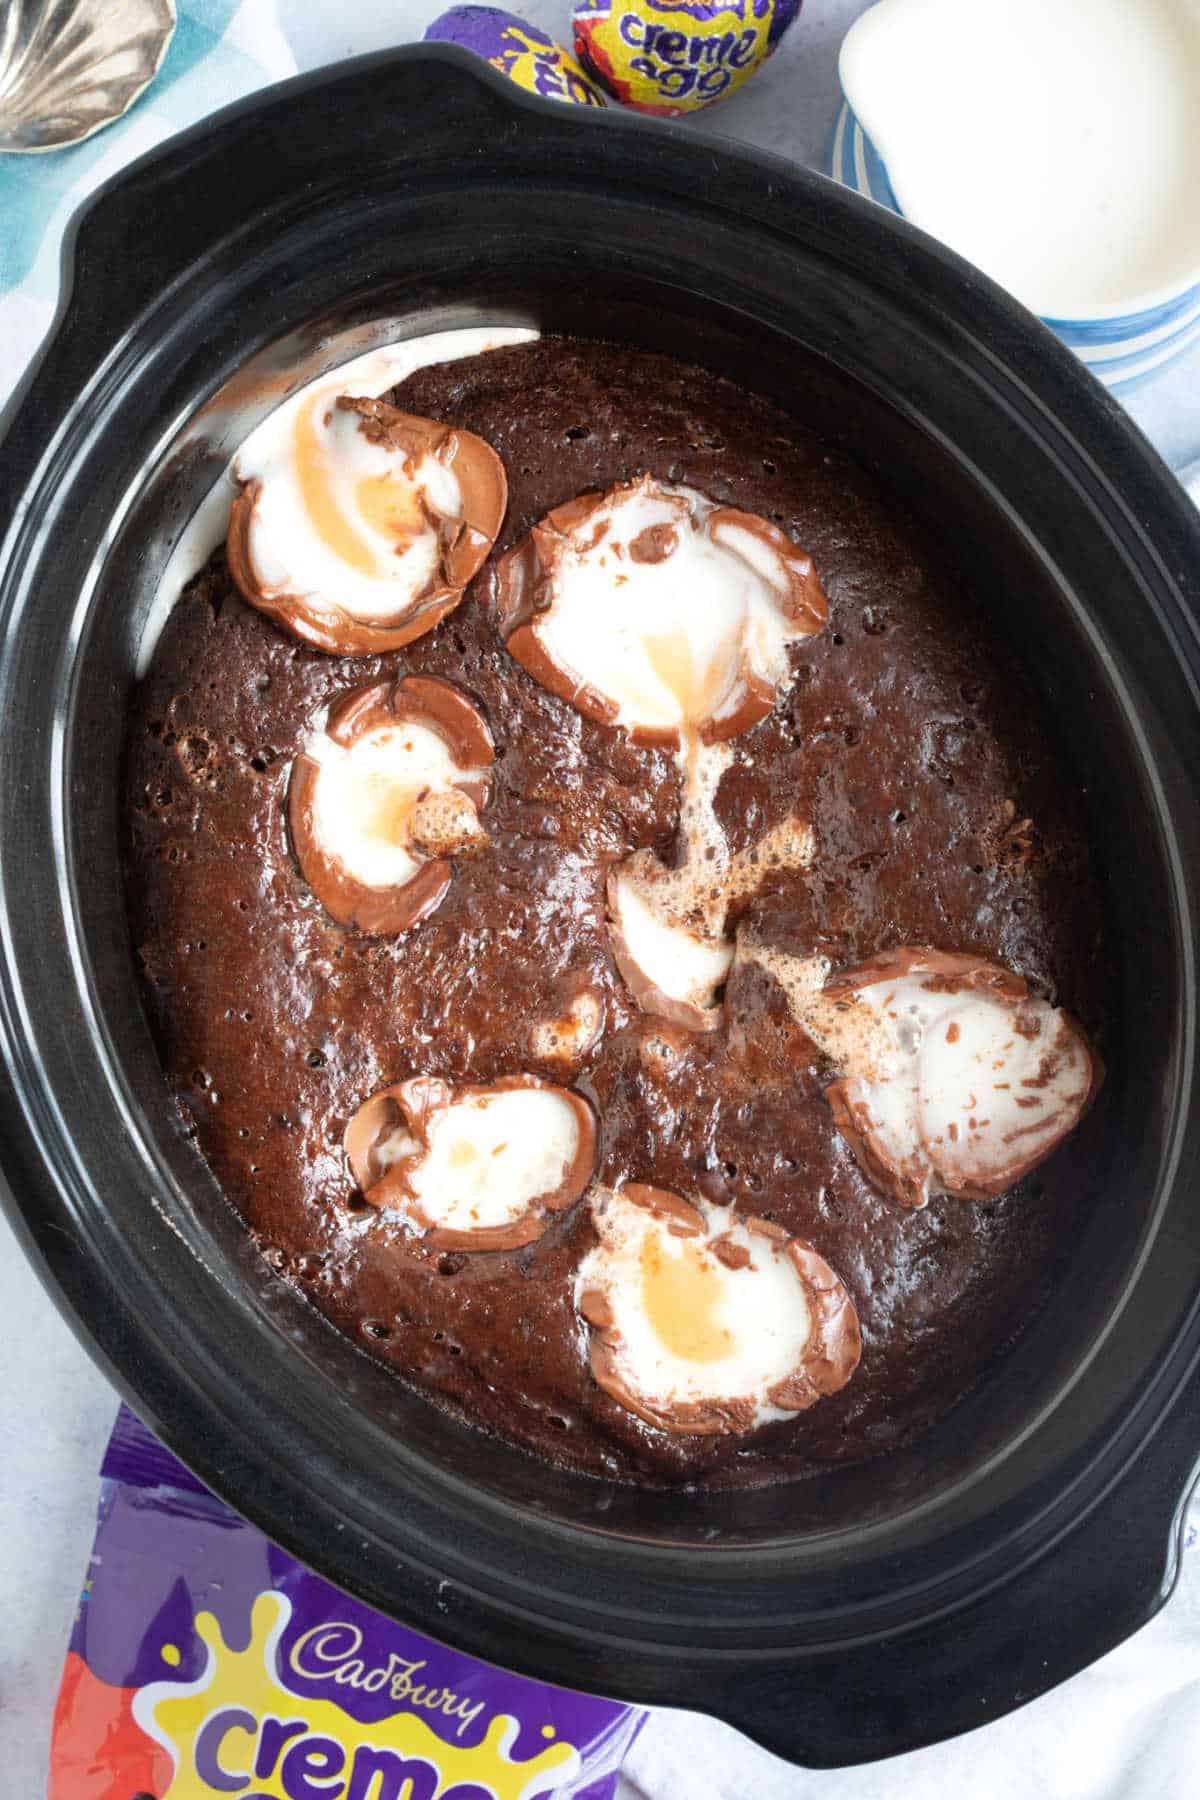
879,1607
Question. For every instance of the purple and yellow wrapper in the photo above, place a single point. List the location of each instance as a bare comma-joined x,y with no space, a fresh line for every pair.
519,50
674,56
204,1662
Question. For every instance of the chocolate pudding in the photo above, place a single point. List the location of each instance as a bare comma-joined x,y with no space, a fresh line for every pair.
936,813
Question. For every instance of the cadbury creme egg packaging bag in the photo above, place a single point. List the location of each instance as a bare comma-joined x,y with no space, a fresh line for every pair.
205,1662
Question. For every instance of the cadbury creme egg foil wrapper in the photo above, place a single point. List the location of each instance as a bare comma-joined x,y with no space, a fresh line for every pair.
674,56
519,50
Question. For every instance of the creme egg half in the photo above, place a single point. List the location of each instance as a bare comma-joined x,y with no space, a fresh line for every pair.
385,796
653,609
359,525
477,1167
706,1322
952,1077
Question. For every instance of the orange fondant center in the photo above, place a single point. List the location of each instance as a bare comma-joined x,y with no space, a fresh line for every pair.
694,685
681,1295
389,505
388,807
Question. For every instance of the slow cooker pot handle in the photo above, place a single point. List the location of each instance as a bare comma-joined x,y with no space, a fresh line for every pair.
1087,1593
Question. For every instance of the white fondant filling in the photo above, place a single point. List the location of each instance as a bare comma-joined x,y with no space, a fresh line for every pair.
673,920
995,1092
364,796
684,966
572,1034
663,641
491,1156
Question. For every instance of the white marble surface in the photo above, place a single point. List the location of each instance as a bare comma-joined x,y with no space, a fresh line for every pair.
55,1417
1129,1728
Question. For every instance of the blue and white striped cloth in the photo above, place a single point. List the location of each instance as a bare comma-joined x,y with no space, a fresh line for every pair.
221,50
